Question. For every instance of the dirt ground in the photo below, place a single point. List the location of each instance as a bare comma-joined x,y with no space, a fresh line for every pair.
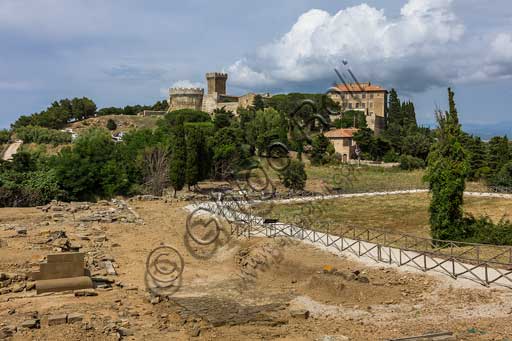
235,289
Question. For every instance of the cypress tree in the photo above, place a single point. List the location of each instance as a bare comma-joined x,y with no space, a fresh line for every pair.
477,158
446,174
499,153
394,108
178,158
193,145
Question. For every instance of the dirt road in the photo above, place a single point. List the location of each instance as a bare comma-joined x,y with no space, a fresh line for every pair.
11,150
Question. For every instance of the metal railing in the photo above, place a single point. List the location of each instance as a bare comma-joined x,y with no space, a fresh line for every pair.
482,263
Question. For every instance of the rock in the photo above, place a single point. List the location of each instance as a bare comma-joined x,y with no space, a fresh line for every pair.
11,311
4,291
333,338
54,320
124,331
299,313
3,276
195,331
3,243
31,286
86,292
30,324
18,287
7,332
109,267
100,239
87,326
75,317
155,300
22,231
363,279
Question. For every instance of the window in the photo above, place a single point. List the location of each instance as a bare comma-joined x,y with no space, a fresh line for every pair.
371,104
347,142
371,96
364,96
350,105
364,105
357,105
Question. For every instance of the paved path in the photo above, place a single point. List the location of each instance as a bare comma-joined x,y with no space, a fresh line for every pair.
482,274
11,150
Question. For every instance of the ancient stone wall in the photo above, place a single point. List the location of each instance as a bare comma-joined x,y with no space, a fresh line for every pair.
182,98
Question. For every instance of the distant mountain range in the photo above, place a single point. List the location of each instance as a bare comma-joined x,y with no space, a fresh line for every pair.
485,130
488,130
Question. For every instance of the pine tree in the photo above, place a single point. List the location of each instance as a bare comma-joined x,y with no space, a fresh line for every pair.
178,158
446,174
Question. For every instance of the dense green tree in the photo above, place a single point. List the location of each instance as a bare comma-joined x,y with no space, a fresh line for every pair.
228,152
91,167
394,109
222,118
446,174
266,127
178,160
258,103
352,119
477,155
499,153
319,150
408,116
42,135
5,136
294,176
194,143
111,124
504,177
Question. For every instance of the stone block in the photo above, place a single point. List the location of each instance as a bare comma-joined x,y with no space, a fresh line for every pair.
54,320
61,270
75,317
72,257
300,313
30,324
63,284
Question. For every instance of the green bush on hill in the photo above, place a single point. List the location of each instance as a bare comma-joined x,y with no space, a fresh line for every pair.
34,134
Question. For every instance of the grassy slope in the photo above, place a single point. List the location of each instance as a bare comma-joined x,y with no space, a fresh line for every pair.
400,213
124,123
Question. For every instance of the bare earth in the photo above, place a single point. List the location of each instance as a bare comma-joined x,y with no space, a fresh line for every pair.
236,289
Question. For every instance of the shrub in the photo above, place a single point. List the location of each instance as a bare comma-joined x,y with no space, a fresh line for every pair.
504,176
294,176
5,136
391,156
33,134
483,230
408,162
111,124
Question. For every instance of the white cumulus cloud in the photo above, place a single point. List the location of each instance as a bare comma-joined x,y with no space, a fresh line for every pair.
185,83
424,46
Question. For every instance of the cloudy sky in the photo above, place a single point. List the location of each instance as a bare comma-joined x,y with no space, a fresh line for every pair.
121,52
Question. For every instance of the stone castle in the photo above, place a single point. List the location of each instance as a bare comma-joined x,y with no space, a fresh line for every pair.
215,98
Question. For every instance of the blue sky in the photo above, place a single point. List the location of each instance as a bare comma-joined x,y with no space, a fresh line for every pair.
121,52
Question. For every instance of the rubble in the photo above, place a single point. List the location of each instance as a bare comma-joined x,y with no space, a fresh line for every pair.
101,212
54,320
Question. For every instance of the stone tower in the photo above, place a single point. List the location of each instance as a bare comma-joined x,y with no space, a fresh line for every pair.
216,83
180,98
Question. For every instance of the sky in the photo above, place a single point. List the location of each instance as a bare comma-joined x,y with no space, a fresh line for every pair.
126,52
